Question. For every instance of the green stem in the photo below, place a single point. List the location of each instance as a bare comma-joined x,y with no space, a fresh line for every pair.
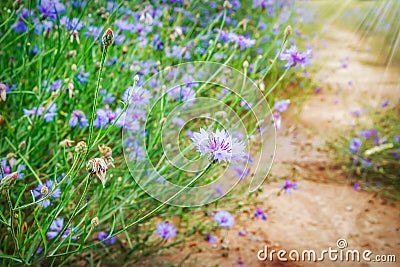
96,98
141,218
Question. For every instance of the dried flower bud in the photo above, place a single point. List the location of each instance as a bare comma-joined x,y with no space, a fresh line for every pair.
70,89
3,92
66,143
105,151
8,182
94,222
73,67
106,154
124,49
2,120
227,5
11,159
136,78
81,147
288,31
44,190
108,37
22,145
101,11
99,167
245,64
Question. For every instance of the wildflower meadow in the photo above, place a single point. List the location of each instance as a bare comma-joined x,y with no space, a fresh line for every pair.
191,133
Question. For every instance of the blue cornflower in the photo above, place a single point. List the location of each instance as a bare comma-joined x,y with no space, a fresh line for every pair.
224,219
51,8
71,24
368,133
288,185
103,235
211,239
355,145
259,213
294,57
219,145
55,228
94,31
20,26
83,77
282,105
166,230
38,193
178,121
78,116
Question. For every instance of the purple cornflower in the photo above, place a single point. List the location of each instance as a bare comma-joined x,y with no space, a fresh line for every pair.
396,138
37,193
51,8
220,145
109,98
178,121
101,119
241,171
20,26
288,185
56,227
317,90
182,93
51,112
276,116
94,31
294,57
260,213
42,26
245,105
262,3
385,104
35,111
368,133
219,189
356,186
211,239
71,24
83,77
166,230
54,86
5,167
138,96
157,43
224,219
355,145
103,235
78,116
282,105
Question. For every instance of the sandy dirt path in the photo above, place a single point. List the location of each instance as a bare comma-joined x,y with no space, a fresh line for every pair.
325,208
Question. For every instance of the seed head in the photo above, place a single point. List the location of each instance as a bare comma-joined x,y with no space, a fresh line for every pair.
94,222
99,167
81,147
3,93
44,191
108,37
106,155
227,5
288,31
66,143
8,182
